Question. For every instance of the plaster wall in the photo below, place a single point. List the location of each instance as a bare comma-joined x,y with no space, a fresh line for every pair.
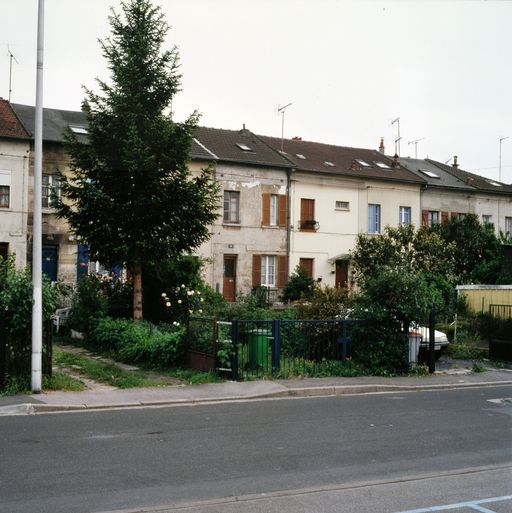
14,158
249,236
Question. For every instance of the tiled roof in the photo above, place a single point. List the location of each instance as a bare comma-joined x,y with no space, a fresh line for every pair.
341,160
240,146
477,182
434,175
10,125
55,121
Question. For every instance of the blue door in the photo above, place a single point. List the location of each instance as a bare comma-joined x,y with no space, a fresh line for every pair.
50,257
82,261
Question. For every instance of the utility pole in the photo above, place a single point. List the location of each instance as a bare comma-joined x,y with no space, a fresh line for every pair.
37,308
416,146
282,111
501,140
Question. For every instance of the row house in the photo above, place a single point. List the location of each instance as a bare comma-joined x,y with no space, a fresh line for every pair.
283,203
250,240
14,171
450,191
59,248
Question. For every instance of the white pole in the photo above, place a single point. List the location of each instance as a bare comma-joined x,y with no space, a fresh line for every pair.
37,309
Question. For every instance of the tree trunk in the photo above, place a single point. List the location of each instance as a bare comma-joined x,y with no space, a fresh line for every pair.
137,292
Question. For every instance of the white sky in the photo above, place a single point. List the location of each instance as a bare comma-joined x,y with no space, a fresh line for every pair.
349,67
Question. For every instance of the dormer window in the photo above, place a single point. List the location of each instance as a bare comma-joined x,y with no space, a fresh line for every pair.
79,130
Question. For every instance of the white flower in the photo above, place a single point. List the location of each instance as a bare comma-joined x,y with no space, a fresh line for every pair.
191,312
168,303
182,285
179,301
200,311
201,299
164,294
190,292
176,323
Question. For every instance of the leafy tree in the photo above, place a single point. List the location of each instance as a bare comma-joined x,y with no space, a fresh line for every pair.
405,249
131,197
477,250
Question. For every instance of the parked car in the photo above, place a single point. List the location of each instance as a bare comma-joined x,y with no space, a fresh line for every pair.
441,340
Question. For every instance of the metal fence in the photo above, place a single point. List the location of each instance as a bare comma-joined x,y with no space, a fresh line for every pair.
249,348
16,353
500,311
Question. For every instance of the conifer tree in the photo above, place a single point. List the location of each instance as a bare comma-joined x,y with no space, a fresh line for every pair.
131,197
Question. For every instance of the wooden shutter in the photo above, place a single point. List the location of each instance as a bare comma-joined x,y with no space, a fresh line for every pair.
256,270
265,219
283,210
307,263
444,217
282,270
307,213
424,218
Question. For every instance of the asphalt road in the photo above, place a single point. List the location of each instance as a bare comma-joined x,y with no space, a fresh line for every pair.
380,452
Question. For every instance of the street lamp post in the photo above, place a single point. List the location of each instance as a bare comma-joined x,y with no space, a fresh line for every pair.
501,140
37,308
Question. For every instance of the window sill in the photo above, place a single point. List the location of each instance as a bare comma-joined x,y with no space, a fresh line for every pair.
231,225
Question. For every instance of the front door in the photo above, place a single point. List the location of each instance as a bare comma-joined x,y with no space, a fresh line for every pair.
229,284
341,273
50,256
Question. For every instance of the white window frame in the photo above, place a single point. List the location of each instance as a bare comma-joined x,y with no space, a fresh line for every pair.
433,217
274,209
508,226
5,181
374,214
404,216
231,207
268,270
6,194
49,190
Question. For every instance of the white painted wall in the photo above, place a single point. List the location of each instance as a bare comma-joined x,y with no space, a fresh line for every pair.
14,158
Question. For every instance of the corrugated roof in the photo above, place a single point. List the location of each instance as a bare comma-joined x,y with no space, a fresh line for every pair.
478,182
55,121
341,160
10,125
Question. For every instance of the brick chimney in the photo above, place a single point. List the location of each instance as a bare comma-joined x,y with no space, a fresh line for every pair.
469,180
455,164
396,162
381,145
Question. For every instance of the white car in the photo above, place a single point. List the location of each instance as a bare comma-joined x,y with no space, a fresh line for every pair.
441,340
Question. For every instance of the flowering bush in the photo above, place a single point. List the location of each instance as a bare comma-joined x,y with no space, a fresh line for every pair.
182,302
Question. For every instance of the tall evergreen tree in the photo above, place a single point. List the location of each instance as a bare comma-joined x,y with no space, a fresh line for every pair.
131,197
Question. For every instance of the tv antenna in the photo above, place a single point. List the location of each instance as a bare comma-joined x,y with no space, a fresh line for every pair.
398,138
11,58
501,140
415,142
282,110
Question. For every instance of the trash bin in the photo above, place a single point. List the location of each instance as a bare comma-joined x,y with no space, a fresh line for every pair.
414,346
258,347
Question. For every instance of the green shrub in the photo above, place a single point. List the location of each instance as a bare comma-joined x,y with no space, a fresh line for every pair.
324,303
299,285
138,342
89,304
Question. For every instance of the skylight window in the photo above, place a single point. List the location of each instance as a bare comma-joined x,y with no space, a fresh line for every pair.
282,152
244,147
79,130
382,165
363,163
329,164
496,184
300,156
430,174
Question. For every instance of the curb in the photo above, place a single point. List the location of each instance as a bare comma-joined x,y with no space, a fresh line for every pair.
31,408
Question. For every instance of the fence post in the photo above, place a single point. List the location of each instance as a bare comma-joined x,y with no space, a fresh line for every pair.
3,356
276,345
234,351
407,346
431,343
343,341
215,342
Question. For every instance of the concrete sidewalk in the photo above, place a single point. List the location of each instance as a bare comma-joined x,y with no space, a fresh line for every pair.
243,391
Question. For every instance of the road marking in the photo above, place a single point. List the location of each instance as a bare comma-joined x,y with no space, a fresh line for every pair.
475,505
504,400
